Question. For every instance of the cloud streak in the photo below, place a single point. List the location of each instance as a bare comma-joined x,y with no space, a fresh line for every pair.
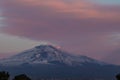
80,9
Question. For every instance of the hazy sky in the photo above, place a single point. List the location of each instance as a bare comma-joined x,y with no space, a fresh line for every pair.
88,27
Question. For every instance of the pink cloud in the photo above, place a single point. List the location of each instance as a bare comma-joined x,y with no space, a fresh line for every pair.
79,26
80,9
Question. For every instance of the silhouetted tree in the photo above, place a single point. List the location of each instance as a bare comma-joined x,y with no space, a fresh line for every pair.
21,77
4,75
118,76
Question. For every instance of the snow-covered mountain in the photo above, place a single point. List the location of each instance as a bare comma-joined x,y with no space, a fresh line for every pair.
48,61
48,54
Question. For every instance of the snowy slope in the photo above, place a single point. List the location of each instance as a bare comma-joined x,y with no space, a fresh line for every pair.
48,54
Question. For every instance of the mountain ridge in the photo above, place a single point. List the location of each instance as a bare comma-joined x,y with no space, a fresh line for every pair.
48,54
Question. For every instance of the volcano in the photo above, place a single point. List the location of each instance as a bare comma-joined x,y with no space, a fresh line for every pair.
47,61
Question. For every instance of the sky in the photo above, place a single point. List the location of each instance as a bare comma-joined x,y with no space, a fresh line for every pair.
85,27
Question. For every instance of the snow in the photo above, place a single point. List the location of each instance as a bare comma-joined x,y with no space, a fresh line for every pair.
45,54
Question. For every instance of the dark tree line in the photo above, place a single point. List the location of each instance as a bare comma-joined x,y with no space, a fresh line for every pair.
118,76
5,76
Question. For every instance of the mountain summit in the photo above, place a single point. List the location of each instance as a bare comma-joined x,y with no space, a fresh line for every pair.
48,61
48,54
